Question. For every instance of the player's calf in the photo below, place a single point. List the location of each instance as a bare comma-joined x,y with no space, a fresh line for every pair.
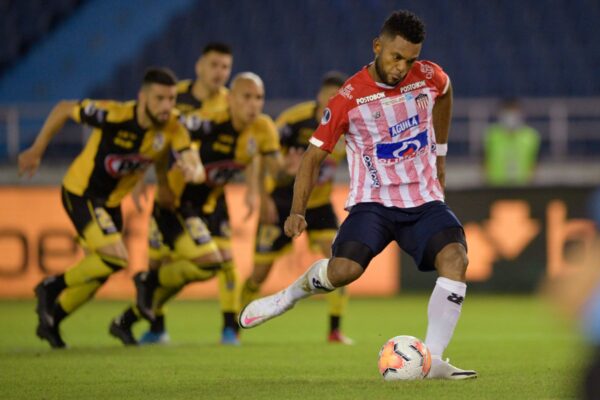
145,285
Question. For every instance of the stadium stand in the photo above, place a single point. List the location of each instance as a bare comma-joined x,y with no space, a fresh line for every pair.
20,32
521,49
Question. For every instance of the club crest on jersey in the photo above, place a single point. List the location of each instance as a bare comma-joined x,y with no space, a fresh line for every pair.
158,142
403,126
370,98
422,101
390,153
192,123
119,165
251,147
326,116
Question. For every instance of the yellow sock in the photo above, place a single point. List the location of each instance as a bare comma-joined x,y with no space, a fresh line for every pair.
338,300
161,296
228,293
73,297
90,268
250,291
178,273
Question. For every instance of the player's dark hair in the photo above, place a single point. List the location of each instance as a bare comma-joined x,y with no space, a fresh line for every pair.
217,47
160,75
333,78
405,24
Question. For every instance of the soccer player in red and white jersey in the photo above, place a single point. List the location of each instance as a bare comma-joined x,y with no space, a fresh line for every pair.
395,114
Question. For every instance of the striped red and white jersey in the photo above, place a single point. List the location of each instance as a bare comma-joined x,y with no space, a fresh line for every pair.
390,140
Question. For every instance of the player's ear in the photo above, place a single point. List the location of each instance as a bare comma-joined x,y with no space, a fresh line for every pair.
142,96
377,45
230,98
198,66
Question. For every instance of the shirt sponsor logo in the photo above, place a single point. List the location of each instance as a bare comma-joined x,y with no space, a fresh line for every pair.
412,86
326,116
346,91
427,70
119,165
403,126
390,101
372,171
219,173
371,97
92,111
390,153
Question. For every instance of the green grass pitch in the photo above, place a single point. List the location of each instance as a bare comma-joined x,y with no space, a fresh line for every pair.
520,350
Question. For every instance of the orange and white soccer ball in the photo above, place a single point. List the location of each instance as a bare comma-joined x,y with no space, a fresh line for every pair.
404,358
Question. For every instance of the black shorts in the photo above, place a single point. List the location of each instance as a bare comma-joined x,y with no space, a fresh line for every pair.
96,224
271,239
420,231
182,232
218,221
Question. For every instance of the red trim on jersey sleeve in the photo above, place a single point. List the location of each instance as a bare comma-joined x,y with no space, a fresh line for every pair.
439,78
333,124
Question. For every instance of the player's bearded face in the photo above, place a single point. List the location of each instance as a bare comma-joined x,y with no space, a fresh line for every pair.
394,58
159,102
214,69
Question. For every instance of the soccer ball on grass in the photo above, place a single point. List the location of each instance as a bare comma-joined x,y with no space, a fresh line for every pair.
404,358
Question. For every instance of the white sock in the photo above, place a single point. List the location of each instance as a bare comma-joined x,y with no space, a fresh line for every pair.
443,313
313,281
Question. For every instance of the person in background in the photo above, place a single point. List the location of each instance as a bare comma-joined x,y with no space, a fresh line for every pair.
511,148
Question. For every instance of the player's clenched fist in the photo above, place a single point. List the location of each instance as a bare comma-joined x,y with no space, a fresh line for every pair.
29,161
295,224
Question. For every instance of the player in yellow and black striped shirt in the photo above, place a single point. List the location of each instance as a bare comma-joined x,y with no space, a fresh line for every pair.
228,142
126,139
204,94
296,126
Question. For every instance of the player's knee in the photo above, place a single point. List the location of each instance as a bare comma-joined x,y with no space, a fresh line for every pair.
114,256
342,271
452,261
211,259
154,264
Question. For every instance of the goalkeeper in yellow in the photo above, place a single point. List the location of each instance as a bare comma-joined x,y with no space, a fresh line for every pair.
296,125
126,139
228,142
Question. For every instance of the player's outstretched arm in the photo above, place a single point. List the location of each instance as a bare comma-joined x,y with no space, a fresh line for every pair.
442,114
306,178
29,160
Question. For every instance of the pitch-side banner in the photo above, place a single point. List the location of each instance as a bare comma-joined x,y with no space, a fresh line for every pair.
37,238
517,237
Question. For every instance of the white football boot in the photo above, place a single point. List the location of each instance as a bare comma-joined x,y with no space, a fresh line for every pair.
261,310
441,369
